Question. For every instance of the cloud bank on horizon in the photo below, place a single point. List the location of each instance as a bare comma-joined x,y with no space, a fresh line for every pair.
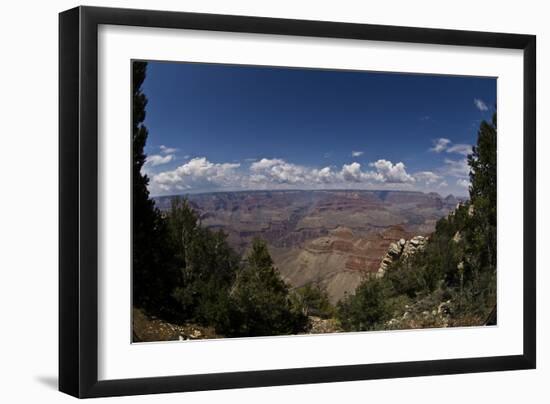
222,127
198,174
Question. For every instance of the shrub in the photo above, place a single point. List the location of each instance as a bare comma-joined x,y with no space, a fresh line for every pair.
368,309
312,300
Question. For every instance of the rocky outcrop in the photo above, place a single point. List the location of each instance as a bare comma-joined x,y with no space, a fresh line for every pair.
401,249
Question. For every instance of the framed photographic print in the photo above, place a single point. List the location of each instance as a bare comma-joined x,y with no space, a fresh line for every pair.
251,201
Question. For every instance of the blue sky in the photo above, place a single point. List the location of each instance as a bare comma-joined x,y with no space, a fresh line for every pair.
230,127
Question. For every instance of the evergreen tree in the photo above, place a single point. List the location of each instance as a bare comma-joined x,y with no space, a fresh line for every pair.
483,194
483,174
207,265
154,273
480,234
260,302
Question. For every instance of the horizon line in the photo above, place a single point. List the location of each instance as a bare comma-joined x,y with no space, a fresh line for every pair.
307,190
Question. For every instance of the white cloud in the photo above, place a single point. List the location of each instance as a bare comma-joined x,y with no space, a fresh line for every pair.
352,172
357,153
167,150
427,177
463,183
446,145
264,164
279,171
324,175
392,173
460,148
480,104
457,168
440,144
196,173
157,160
443,184
199,174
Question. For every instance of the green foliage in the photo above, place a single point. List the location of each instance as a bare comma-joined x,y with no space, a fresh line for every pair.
458,262
368,308
477,297
154,270
208,266
259,299
312,300
477,286
481,237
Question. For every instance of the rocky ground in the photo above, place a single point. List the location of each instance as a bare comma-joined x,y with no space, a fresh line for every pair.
323,326
434,311
151,329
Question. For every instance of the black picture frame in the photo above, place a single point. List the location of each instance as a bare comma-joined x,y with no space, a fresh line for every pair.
78,201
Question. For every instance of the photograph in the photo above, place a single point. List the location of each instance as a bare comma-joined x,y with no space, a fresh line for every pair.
272,201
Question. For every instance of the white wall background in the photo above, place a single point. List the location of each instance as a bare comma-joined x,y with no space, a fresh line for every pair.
28,203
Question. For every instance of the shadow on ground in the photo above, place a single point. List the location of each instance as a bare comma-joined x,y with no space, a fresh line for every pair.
48,381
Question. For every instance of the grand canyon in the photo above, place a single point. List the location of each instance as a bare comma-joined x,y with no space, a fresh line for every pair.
331,237
282,201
